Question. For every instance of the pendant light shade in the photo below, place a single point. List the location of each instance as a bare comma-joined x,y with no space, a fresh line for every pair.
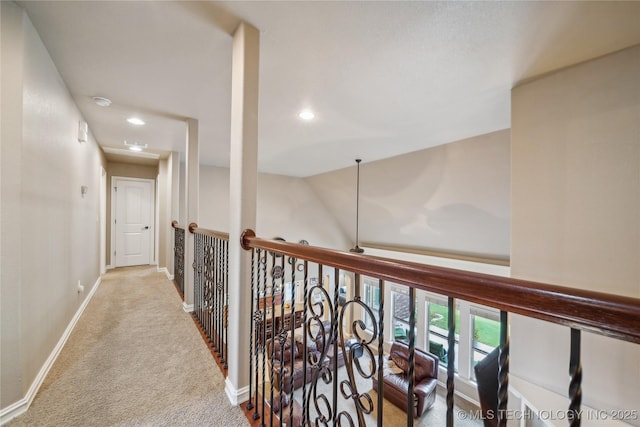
357,249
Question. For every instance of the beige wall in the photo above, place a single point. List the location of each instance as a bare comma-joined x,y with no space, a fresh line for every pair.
129,171
287,207
50,233
453,198
162,214
576,215
167,204
11,366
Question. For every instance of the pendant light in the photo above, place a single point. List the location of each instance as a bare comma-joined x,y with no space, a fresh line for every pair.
357,249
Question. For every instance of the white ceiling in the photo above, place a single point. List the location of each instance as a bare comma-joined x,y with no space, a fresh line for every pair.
384,78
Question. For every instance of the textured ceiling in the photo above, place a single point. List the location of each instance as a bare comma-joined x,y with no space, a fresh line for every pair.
384,78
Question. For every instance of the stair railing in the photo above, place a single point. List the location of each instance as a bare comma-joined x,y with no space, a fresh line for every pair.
211,286
178,257
297,400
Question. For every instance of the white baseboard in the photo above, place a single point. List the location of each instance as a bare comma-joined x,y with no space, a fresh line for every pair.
21,406
166,272
460,394
109,267
187,307
238,396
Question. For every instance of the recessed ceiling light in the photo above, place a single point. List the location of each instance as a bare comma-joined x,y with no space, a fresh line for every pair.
101,101
306,115
135,121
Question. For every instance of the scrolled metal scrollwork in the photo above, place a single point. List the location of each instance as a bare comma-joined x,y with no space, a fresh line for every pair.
323,408
208,273
358,357
179,259
318,359
277,272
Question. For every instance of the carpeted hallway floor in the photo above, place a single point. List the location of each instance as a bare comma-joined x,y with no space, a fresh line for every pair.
134,358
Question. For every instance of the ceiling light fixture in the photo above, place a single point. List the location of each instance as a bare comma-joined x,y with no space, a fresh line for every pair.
135,146
136,121
306,115
123,152
101,101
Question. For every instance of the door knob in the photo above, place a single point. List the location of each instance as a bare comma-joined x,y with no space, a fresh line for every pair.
146,227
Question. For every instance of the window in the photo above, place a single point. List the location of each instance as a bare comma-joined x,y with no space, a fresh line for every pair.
437,311
371,297
485,324
401,315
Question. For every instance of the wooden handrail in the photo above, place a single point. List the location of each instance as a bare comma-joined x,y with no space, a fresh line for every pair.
174,224
605,314
194,229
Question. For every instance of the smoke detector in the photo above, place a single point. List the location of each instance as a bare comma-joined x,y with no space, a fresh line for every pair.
101,101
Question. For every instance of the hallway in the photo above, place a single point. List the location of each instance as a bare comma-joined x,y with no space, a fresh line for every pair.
134,358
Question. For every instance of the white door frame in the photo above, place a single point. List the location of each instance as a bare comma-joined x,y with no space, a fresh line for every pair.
103,220
152,217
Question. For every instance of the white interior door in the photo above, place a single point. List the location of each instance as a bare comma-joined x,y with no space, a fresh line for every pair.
133,221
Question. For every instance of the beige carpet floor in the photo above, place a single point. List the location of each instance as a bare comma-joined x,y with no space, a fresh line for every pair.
135,358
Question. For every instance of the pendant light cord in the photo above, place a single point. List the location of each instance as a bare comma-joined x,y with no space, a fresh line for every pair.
357,248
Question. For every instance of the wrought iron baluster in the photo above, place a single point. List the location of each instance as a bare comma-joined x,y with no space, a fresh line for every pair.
195,291
196,288
213,313
202,265
358,359
321,370
219,297
305,349
206,287
503,369
251,328
380,391
575,386
282,383
273,333
215,310
215,303
255,322
209,283
215,321
292,263
263,267
198,279
451,357
334,339
225,349
178,260
412,350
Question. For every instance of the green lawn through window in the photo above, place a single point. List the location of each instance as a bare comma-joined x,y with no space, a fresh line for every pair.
487,331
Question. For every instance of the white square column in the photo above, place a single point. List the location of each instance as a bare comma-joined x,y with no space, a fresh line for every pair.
191,208
242,203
